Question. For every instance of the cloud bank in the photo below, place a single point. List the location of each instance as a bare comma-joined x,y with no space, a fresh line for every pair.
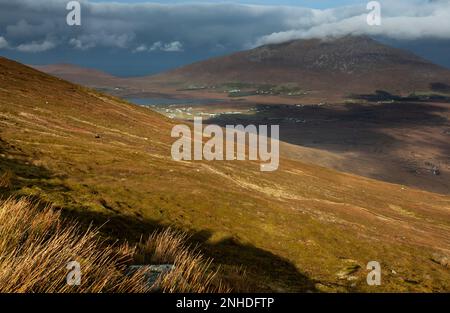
402,20
38,26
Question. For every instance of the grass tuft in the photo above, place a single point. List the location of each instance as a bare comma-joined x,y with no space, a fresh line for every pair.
37,244
6,179
192,271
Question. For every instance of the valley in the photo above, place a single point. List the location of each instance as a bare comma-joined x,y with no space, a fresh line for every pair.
401,142
363,174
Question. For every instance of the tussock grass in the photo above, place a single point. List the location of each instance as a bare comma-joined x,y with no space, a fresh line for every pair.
6,179
37,244
192,271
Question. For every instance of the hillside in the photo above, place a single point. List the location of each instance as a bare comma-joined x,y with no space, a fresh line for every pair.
334,66
301,228
80,75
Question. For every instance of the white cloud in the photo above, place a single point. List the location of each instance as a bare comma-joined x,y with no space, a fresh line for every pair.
3,43
174,46
404,20
141,48
36,46
156,46
79,44
102,39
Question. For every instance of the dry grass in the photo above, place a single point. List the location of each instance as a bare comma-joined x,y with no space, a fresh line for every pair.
192,271
36,246
6,179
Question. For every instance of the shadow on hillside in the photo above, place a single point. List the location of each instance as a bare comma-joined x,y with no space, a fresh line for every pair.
340,128
25,174
271,272
383,136
381,95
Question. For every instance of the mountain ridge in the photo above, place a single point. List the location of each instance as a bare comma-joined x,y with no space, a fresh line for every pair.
353,64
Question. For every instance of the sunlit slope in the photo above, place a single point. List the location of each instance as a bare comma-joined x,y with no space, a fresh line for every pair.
297,229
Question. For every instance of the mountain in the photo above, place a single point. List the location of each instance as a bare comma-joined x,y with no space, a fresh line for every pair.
326,68
345,65
301,228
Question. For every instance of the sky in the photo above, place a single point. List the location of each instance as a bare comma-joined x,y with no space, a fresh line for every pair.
135,38
317,4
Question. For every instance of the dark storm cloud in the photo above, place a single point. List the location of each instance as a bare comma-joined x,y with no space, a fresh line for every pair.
136,26
37,26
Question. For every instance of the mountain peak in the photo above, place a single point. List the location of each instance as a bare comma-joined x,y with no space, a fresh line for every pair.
346,55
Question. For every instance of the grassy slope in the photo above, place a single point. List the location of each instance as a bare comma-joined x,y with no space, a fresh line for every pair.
294,230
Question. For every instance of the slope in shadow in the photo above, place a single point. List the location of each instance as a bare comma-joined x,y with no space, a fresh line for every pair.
268,272
404,138
334,125
25,173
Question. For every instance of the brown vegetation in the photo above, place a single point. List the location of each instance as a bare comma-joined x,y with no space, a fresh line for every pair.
296,229
6,179
37,244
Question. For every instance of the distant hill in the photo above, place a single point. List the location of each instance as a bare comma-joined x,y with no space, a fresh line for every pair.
80,75
344,65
